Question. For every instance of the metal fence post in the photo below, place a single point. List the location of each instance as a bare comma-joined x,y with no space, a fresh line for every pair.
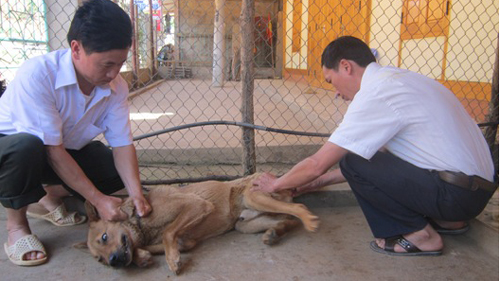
152,40
247,84
491,131
219,59
135,61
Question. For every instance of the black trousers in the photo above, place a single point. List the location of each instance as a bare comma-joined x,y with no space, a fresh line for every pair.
24,168
397,197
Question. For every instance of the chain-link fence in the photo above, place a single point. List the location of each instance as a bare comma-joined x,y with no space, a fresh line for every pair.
220,88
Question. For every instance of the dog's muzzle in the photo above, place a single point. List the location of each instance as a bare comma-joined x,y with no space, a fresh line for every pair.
118,259
121,257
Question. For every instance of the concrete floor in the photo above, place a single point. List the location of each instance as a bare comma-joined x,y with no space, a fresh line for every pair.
338,251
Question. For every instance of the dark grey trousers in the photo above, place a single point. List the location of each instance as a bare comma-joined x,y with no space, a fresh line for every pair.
397,197
24,168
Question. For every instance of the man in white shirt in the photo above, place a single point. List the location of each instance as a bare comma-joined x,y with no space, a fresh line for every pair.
415,160
49,115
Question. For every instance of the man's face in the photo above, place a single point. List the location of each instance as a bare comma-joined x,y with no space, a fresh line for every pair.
97,69
342,80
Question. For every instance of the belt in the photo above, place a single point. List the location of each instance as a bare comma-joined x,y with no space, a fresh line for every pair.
468,182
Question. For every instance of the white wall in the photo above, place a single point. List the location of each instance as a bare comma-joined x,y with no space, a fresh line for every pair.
472,40
424,56
385,29
471,44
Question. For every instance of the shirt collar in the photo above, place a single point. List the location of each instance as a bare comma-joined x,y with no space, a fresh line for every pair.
370,70
66,75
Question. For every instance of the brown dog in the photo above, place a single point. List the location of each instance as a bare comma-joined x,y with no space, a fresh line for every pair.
183,216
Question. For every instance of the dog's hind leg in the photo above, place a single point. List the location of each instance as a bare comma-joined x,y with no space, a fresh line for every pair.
263,202
192,212
274,234
275,226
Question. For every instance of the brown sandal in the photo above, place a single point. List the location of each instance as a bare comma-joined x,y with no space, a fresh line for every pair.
59,216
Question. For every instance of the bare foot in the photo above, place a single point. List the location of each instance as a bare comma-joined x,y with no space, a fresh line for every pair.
54,196
426,240
18,227
50,202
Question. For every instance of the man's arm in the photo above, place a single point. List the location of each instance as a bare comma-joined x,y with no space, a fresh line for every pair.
305,171
329,178
70,173
126,164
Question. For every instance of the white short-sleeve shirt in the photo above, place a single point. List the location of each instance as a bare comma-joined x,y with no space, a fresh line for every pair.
44,100
415,118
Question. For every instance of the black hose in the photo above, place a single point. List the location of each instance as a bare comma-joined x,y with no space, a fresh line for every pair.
232,123
257,127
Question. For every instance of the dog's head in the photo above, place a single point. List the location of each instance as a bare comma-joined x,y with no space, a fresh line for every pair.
111,243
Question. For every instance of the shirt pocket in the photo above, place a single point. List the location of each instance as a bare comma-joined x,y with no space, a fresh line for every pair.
83,137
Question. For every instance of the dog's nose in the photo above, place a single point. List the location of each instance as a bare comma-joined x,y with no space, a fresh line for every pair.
117,260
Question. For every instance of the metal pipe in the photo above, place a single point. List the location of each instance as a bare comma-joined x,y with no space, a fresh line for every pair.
219,59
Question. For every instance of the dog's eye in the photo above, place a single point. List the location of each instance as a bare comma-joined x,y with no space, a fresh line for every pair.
104,237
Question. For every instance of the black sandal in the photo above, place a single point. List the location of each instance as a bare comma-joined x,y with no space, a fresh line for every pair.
411,250
447,231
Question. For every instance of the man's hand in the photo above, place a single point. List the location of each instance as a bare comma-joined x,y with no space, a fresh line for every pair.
125,158
264,183
109,209
142,205
305,189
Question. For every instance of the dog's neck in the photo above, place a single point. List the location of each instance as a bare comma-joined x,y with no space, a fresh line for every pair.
134,226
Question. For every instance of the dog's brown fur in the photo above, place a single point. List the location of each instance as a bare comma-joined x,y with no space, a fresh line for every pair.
183,216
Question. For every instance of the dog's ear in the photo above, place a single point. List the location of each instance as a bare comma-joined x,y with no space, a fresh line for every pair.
91,211
128,208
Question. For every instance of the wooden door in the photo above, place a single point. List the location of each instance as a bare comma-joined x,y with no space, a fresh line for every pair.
425,18
354,18
428,20
315,41
329,19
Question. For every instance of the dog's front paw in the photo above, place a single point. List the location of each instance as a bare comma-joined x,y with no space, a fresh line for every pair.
174,262
143,258
311,222
175,266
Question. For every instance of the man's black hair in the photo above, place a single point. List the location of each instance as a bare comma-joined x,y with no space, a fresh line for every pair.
2,87
100,26
349,48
